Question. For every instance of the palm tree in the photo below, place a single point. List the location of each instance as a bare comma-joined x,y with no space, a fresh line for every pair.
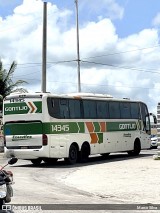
7,85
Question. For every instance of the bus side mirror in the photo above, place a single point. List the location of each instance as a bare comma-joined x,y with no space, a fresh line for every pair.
154,117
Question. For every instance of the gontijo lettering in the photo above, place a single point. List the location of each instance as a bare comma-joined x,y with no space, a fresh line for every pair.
127,126
23,107
17,108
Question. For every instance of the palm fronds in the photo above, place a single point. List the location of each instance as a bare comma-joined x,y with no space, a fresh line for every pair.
7,85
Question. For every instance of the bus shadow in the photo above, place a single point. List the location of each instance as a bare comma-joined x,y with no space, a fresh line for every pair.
95,159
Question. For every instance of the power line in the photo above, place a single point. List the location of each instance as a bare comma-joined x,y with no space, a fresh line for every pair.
99,85
40,63
98,56
90,62
122,52
121,67
97,63
83,61
26,74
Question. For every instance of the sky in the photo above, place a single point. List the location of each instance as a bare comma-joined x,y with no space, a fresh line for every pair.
118,40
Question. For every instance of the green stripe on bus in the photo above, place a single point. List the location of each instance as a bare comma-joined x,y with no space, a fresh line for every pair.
100,136
38,104
96,127
23,108
121,126
23,129
65,127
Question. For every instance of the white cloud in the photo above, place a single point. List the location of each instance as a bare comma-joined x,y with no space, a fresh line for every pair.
21,40
156,20
96,37
114,10
102,8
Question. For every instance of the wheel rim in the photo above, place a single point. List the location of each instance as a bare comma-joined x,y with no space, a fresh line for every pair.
72,154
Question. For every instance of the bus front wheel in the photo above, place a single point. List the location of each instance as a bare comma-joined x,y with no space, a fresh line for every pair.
136,150
73,155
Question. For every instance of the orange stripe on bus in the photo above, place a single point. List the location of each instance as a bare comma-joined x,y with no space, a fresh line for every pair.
94,138
31,107
90,126
103,126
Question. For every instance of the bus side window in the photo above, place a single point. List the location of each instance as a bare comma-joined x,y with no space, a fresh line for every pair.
102,110
53,107
125,110
114,110
64,111
89,108
135,112
74,108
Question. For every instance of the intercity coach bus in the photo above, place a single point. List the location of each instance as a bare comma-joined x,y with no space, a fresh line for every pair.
47,127
1,134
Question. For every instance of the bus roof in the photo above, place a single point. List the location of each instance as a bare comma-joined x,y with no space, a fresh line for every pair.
93,95
70,95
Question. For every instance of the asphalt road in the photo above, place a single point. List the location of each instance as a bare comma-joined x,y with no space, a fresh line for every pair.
86,183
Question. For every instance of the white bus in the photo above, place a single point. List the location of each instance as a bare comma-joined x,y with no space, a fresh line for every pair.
1,134
46,127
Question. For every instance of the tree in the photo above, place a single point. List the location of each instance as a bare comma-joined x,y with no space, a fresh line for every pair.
7,85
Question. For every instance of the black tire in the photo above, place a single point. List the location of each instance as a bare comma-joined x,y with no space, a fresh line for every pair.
73,155
105,155
137,149
130,153
84,153
50,161
36,162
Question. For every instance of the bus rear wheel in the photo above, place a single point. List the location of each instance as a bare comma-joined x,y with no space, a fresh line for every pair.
36,162
73,155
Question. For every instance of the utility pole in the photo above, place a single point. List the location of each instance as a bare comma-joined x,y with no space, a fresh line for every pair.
44,47
78,55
